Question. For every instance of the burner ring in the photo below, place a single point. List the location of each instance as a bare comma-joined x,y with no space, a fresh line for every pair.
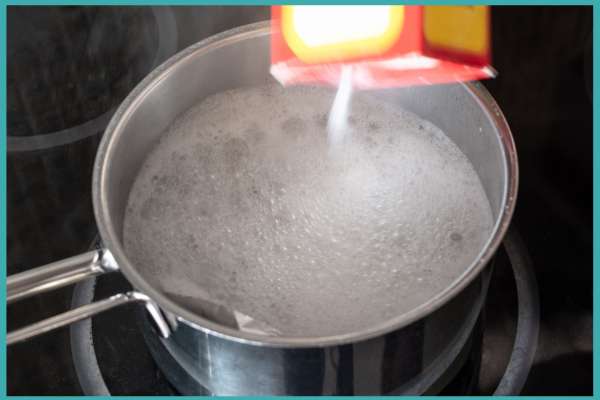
166,46
82,345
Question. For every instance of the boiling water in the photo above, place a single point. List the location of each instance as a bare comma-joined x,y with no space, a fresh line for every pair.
242,202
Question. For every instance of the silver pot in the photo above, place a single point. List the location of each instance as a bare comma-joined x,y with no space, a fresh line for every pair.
404,355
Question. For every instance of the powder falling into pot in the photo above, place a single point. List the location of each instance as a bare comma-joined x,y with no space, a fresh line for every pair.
337,124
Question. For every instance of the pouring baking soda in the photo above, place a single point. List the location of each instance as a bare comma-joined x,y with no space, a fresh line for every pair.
368,47
386,46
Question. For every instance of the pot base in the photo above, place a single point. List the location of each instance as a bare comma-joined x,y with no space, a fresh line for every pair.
103,348
460,378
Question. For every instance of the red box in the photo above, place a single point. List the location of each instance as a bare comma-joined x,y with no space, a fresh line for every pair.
399,46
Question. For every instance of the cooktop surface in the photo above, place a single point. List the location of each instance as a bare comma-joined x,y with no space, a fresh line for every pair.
61,92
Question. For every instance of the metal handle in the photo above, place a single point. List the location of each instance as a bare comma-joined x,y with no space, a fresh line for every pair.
58,274
66,272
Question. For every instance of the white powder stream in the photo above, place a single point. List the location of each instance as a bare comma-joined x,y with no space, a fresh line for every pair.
337,124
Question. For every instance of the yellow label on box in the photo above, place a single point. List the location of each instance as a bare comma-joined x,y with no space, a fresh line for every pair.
458,28
321,34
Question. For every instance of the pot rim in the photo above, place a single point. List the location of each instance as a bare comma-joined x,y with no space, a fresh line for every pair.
110,236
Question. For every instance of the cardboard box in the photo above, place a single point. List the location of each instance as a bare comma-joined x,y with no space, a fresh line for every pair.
386,46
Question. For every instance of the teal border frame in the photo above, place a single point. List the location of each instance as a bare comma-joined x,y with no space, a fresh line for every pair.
3,179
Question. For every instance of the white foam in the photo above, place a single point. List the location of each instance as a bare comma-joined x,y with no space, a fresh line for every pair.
241,199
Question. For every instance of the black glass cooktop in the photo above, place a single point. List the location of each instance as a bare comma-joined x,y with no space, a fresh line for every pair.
59,80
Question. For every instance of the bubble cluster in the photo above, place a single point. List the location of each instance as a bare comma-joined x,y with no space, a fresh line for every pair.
243,200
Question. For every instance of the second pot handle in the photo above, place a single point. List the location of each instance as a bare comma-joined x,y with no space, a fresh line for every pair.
66,272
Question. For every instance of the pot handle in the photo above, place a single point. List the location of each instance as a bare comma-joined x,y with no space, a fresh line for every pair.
67,272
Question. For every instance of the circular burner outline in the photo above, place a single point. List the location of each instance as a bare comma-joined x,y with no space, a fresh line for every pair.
167,44
82,345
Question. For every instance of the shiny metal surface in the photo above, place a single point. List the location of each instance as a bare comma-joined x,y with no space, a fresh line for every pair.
87,311
379,360
55,275
410,361
66,272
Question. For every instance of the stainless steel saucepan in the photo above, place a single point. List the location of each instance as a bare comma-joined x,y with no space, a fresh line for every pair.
396,357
